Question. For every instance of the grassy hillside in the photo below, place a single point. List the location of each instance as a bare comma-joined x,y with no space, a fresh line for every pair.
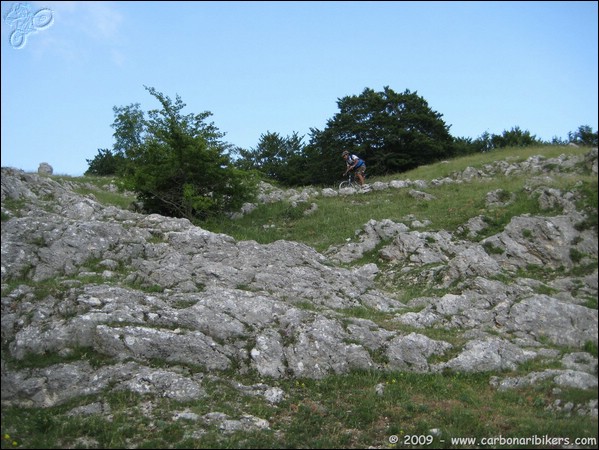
369,409
337,218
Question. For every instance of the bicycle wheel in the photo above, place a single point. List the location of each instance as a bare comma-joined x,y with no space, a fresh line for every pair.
344,184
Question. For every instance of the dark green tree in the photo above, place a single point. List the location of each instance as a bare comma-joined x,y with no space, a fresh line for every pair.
276,157
129,130
129,126
393,132
484,142
555,140
487,142
177,164
584,136
514,138
105,163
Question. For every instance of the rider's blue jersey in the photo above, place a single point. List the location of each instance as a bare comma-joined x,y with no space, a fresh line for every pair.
351,160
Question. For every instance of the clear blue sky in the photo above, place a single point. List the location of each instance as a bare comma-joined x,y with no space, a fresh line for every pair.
282,66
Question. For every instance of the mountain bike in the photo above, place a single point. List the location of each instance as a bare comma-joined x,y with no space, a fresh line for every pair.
351,181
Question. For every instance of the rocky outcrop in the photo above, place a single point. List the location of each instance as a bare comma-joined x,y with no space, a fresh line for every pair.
138,288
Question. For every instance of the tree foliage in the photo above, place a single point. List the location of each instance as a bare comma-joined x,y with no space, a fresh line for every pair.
177,164
129,129
584,136
129,133
393,132
275,157
105,163
514,138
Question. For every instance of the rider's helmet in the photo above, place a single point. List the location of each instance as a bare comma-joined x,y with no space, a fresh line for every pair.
345,152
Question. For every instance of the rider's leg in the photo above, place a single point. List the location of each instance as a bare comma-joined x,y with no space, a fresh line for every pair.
360,174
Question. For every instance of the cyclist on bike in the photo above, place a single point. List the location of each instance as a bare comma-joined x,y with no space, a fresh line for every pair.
356,164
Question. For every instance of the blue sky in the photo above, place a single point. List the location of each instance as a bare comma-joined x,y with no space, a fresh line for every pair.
282,66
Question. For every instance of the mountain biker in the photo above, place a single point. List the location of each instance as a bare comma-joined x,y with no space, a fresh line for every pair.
356,164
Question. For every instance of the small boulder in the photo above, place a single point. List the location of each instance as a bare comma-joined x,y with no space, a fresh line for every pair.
45,169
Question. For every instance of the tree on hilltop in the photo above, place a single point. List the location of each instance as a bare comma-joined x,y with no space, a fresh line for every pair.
393,132
177,164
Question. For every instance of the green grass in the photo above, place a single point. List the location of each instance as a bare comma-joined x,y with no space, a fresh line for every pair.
335,412
338,218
